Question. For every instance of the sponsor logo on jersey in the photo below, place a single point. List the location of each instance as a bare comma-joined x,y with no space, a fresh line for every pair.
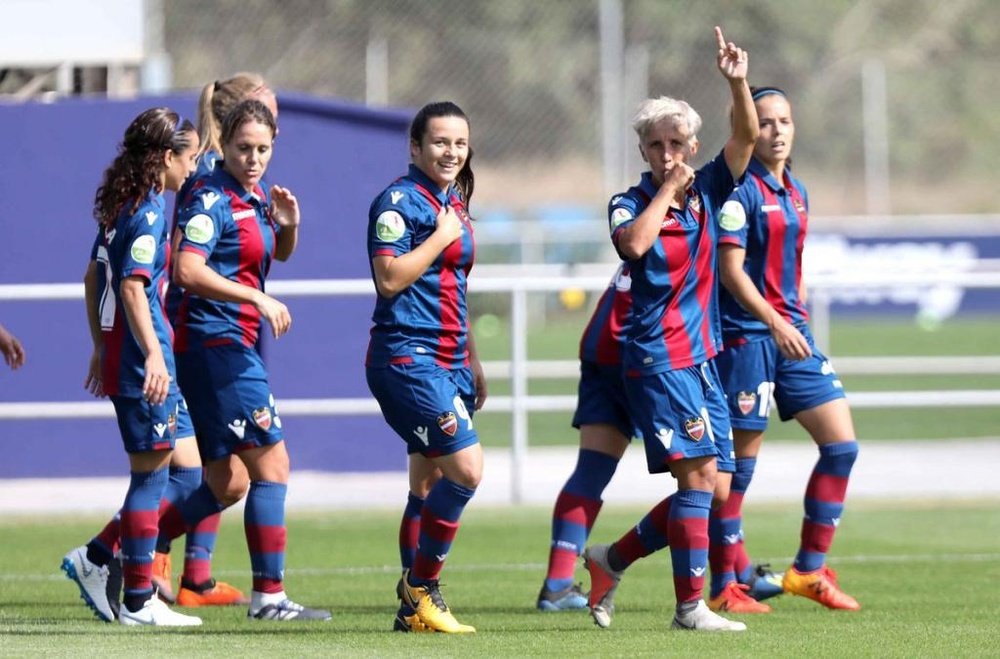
668,221
767,208
209,198
143,249
733,216
239,427
151,218
695,428
448,423
199,229
620,216
395,196
389,227
421,433
747,400
244,214
262,417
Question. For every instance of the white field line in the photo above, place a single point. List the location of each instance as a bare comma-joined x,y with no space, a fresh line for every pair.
531,567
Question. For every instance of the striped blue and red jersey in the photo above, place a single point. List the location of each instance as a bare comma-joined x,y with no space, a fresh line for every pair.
136,246
769,219
428,321
675,317
234,231
605,333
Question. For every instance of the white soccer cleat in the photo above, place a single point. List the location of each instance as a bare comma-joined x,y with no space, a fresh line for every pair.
157,614
286,610
603,583
703,619
92,580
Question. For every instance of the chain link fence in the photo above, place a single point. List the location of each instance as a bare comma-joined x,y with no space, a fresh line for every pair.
529,75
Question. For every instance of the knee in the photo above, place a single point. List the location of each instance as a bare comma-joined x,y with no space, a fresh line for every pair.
228,485
469,478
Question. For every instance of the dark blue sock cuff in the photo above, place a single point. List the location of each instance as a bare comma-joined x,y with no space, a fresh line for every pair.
592,474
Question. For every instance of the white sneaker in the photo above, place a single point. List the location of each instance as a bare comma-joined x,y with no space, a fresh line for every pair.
703,619
92,580
155,612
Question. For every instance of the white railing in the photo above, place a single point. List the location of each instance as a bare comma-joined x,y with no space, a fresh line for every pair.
519,369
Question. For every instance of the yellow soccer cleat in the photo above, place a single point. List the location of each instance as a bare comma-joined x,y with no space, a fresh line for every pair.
820,586
734,599
431,609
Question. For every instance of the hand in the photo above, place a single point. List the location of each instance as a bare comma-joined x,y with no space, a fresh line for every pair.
93,383
284,207
733,62
275,313
13,351
790,341
680,177
156,385
479,381
448,225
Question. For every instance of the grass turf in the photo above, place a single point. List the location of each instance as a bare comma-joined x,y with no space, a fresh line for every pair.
924,573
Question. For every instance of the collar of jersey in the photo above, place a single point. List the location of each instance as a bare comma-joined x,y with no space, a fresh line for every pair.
758,169
417,176
227,181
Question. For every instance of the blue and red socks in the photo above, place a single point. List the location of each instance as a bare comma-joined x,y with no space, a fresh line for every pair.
575,512
439,522
726,552
688,532
101,549
741,483
175,518
264,524
824,503
139,530
409,530
650,535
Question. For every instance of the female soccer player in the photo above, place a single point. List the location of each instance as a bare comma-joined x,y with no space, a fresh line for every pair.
133,347
665,227
231,231
422,365
197,587
769,349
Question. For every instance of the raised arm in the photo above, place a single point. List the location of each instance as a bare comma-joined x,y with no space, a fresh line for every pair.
733,63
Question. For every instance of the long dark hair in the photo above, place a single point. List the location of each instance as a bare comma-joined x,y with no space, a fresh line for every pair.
139,162
466,179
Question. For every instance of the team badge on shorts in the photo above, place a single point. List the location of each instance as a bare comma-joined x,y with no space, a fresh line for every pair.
262,417
448,423
695,428
747,401
172,423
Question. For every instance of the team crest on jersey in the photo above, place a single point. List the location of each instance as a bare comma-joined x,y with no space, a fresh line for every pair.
747,401
448,423
694,203
262,417
695,428
799,206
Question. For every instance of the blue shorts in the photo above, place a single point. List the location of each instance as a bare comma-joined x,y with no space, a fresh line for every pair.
427,405
185,429
229,399
146,427
682,415
752,372
601,399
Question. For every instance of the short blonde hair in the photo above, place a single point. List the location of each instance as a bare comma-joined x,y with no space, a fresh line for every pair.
654,110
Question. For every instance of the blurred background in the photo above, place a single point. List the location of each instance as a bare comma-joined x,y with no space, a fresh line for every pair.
896,129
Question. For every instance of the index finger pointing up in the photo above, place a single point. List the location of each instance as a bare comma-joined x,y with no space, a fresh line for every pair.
720,38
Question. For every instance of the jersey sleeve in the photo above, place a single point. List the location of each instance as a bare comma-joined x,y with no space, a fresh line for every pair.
391,227
143,232
622,213
98,242
202,220
715,181
736,213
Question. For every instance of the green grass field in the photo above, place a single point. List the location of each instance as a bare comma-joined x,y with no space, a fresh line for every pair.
925,575
559,339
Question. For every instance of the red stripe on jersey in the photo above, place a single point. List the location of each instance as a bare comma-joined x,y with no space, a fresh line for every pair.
800,208
384,252
111,362
677,256
774,262
251,251
705,272
609,343
448,304
181,341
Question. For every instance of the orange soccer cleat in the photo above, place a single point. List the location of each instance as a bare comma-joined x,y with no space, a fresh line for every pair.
212,593
820,586
161,577
734,599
